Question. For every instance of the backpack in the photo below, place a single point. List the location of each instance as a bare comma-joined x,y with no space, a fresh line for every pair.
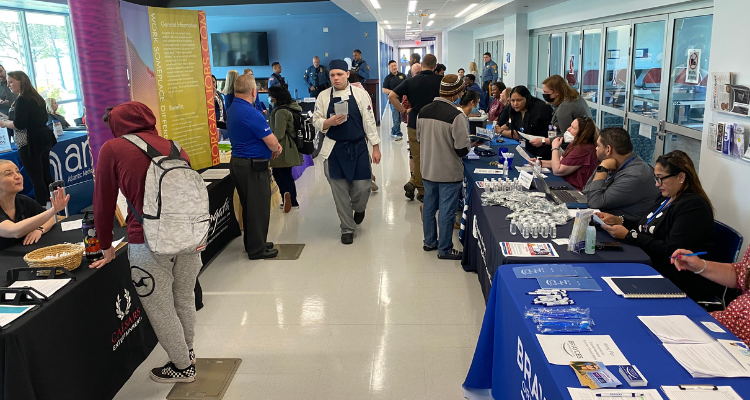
176,216
304,130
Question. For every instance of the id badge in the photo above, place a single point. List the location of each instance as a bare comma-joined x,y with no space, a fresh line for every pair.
522,142
551,134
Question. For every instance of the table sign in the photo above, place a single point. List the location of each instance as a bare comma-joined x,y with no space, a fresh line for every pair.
525,179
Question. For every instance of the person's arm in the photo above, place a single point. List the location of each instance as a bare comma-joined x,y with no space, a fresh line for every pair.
495,74
721,273
460,134
280,122
621,192
307,78
571,161
364,70
273,145
106,189
395,96
45,219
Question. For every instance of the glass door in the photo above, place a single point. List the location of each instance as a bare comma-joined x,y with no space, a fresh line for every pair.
573,58
543,63
615,71
556,55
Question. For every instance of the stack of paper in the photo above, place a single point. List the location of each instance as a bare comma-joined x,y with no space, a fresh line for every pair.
703,393
708,360
677,329
47,287
215,174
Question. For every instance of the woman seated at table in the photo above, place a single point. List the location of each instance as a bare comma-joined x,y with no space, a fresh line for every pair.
20,216
568,104
497,105
736,276
578,162
53,116
530,116
681,218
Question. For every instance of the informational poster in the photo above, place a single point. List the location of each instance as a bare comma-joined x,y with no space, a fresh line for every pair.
180,71
693,75
4,140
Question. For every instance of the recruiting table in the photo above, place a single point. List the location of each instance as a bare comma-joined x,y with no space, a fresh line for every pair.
509,360
486,227
85,341
224,226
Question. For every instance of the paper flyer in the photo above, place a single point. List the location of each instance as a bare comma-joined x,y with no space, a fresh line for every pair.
564,349
594,374
518,249
739,350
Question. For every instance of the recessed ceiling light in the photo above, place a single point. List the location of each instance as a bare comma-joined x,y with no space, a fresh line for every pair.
375,4
412,5
388,26
432,15
357,13
386,22
408,22
430,23
464,11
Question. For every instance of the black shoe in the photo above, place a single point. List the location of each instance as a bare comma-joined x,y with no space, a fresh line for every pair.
429,248
359,217
170,374
453,255
191,354
420,197
269,245
347,238
409,188
267,253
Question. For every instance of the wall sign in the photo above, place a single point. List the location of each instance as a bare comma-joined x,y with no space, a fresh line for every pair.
692,74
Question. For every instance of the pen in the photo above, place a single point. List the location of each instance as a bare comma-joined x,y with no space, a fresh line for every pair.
700,253
620,394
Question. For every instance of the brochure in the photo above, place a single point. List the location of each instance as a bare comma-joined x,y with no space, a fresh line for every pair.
545,271
562,349
518,249
570,283
594,374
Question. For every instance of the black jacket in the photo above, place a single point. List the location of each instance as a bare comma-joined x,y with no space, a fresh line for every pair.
535,122
29,115
687,224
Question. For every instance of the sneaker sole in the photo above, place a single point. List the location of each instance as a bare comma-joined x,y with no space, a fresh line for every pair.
287,202
171,380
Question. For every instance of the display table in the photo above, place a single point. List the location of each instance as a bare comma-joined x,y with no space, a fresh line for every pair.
75,346
224,226
486,227
509,360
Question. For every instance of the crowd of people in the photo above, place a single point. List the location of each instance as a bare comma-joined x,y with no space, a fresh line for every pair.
661,209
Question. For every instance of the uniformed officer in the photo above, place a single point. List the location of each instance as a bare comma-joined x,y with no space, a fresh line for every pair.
276,78
360,66
316,78
489,75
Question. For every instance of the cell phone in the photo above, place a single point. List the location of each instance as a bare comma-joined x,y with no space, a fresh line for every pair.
609,246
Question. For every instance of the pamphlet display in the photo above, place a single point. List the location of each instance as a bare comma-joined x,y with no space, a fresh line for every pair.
517,249
558,349
4,140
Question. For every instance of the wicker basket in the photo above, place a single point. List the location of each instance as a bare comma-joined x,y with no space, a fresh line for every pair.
36,258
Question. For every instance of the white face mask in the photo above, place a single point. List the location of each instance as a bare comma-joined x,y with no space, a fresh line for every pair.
568,137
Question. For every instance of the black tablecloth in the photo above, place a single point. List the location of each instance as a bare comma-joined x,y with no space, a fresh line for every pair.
75,346
486,227
224,225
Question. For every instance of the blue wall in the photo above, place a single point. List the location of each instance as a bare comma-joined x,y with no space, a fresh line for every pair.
293,40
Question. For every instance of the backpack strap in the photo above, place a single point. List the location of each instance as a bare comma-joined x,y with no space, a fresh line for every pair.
146,148
176,149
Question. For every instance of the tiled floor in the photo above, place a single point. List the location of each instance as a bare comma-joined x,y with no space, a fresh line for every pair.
379,319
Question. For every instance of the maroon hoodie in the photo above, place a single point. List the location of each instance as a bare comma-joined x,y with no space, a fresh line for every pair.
123,166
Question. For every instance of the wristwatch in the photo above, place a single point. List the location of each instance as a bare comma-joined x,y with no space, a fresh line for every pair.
601,169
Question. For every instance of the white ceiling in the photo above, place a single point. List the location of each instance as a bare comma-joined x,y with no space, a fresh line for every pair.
487,12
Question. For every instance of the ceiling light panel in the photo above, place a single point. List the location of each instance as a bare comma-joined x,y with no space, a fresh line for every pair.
430,23
464,11
375,4
412,5
432,15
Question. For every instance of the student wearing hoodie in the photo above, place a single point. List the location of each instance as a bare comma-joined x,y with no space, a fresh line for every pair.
282,126
167,290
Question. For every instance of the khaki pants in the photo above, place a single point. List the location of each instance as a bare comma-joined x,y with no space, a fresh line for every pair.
416,178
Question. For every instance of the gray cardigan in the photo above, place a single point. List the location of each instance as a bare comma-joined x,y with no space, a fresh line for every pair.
569,110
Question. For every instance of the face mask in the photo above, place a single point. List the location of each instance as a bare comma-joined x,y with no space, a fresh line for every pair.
568,137
548,98
474,110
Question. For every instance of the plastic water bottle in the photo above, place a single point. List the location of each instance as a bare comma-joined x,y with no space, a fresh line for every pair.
525,230
505,167
91,241
553,231
513,230
535,230
590,239
545,230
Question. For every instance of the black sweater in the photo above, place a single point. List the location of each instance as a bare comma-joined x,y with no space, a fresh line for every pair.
535,122
32,117
686,224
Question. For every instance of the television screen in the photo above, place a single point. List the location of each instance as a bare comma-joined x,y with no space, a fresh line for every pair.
239,49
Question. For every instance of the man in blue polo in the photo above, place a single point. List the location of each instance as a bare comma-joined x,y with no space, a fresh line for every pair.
360,66
253,146
489,75
316,78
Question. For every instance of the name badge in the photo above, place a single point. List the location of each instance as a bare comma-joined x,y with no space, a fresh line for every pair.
522,142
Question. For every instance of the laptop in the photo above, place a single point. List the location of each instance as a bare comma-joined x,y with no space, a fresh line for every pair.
560,196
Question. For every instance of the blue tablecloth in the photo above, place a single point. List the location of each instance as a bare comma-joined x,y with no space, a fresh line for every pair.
486,228
509,360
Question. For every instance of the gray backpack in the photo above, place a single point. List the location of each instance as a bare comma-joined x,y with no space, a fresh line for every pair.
175,216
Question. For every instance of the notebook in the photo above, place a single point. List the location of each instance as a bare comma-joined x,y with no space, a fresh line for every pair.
645,288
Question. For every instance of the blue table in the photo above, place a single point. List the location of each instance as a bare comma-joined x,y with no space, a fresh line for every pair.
509,360
486,227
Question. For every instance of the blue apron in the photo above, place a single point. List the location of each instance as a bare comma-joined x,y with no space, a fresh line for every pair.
349,158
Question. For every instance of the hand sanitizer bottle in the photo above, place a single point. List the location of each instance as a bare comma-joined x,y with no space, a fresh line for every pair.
590,239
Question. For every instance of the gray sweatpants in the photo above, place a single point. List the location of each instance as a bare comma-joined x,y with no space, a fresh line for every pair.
169,302
349,197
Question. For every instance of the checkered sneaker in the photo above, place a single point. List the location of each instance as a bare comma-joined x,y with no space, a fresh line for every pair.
191,354
170,374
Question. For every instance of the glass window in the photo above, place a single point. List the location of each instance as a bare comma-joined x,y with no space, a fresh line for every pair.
592,41
572,59
687,93
612,120
644,142
542,71
12,56
616,61
50,53
689,145
555,55
70,111
534,56
647,61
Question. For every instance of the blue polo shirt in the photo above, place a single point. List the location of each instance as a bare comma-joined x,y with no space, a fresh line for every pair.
247,128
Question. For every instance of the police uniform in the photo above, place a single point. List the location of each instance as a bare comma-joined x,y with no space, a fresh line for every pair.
489,75
344,151
317,77
277,80
362,69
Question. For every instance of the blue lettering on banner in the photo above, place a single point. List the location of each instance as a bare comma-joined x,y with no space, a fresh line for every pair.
72,163
530,388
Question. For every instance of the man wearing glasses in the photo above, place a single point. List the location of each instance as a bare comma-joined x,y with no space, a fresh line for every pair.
623,184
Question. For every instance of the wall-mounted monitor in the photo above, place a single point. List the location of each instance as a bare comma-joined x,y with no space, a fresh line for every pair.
237,49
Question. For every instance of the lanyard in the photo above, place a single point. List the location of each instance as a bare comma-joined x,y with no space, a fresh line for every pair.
662,208
620,169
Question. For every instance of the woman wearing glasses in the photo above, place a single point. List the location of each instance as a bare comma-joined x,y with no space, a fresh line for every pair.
681,218
579,161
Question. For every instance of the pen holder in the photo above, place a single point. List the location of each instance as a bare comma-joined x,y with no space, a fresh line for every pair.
501,155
